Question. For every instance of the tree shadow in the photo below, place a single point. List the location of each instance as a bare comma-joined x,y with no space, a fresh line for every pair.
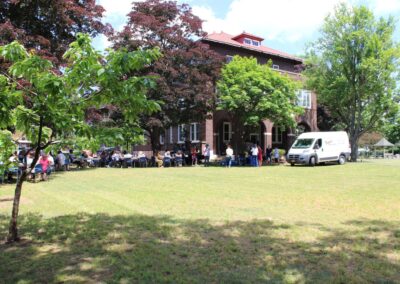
86,248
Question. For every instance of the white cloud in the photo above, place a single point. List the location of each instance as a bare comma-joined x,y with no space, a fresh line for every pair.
291,21
283,20
116,7
386,6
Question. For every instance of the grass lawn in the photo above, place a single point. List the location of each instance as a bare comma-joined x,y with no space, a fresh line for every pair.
328,224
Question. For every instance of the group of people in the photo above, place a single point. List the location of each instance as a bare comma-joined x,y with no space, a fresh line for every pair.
255,155
179,159
45,165
48,162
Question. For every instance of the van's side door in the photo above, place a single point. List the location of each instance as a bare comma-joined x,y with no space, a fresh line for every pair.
319,150
331,149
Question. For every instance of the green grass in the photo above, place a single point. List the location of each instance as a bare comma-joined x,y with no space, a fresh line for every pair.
329,224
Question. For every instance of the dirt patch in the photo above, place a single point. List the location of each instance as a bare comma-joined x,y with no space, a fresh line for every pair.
6,201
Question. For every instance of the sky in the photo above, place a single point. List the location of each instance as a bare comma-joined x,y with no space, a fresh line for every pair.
286,25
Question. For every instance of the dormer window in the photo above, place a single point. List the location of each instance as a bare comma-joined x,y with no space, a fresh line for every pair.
251,42
247,41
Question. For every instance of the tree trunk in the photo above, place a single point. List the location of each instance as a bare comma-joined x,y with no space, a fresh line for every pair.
354,148
13,228
155,139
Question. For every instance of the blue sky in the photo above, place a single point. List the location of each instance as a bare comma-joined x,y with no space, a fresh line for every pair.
287,25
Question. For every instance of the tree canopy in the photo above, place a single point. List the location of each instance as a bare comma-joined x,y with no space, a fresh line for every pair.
352,67
251,92
49,26
187,71
57,102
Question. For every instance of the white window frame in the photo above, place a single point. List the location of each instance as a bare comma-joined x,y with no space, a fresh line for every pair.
171,137
180,128
162,139
247,41
194,128
229,132
304,99
229,58
275,66
278,138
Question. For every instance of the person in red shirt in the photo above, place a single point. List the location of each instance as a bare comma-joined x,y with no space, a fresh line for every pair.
45,163
260,156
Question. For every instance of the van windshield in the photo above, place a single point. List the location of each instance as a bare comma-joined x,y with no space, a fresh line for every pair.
303,143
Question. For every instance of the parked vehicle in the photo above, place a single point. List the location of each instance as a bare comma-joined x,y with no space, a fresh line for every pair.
313,148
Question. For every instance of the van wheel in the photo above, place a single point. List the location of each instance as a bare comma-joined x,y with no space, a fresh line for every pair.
312,162
342,160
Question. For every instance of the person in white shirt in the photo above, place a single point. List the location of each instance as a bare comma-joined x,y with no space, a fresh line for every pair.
229,156
276,155
254,155
61,161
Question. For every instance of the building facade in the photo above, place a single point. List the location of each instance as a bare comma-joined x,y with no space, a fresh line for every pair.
219,130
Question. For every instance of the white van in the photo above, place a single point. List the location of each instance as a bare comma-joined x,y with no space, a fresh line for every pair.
312,148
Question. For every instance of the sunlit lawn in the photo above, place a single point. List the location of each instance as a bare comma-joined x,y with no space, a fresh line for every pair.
325,224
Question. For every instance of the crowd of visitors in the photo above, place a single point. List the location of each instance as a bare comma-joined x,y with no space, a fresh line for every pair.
114,157
254,157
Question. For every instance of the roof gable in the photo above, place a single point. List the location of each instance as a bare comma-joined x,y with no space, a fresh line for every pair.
247,35
228,39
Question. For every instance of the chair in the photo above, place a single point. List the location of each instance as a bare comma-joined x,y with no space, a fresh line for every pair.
143,162
178,161
167,162
127,163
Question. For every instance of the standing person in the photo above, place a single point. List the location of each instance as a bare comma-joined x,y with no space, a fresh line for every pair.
61,161
254,155
229,156
276,155
194,156
268,154
260,155
207,155
45,163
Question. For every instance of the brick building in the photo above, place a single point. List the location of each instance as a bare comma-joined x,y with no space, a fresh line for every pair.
219,130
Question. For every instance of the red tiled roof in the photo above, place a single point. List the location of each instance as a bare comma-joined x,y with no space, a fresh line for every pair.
244,34
225,38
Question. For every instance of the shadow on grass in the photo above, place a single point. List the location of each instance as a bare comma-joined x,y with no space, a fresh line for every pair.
87,248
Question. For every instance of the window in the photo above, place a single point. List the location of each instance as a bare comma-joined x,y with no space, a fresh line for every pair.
195,132
229,58
162,139
255,43
254,138
277,134
227,132
304,99
247,41
275,66
171,138
181,133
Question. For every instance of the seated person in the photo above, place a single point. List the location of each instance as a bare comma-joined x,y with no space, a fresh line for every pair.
159,159
167,154
167,158
178,159
127,155
142,159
